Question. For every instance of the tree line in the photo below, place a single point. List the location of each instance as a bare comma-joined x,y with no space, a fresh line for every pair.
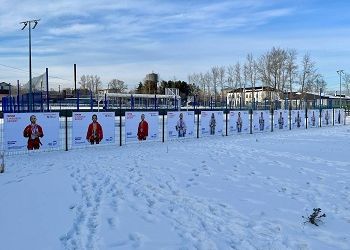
277,68
184,88
93,83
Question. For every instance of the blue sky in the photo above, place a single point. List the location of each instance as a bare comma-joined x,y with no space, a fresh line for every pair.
128,39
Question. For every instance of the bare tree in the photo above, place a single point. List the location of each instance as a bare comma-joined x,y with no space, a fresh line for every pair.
90,82
238,76
277,68
309,79
238,79
250,73
190,78
195,79
230,76
207,80
346,83
307,74
272,70
222,80
264,70
202,85
197,83
83,82
291,67
278,58
117,86
215,72
319,83
245,81
96,81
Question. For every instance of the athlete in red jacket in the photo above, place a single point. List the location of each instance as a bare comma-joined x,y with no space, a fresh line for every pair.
94,133
142,131
33,131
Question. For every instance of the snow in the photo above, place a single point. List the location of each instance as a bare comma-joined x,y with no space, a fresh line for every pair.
234,192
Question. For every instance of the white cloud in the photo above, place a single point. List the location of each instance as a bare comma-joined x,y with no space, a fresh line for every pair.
128,39
75,29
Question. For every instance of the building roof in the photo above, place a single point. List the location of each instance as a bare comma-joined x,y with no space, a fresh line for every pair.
249,89
5,84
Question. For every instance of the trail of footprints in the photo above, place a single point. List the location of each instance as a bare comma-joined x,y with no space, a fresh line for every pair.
155,197
83,234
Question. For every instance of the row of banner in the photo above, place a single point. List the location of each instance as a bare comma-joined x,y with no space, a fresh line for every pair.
42,130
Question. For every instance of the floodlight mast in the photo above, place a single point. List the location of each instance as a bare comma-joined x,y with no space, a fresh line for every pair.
25,24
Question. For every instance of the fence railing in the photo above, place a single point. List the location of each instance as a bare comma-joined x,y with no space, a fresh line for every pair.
119,128
40,103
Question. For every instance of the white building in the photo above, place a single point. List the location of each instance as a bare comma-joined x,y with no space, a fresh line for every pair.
245,96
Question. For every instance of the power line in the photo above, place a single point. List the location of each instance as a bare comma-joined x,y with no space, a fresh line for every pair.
26,71
14,68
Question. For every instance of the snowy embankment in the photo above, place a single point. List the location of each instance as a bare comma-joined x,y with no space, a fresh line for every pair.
235,192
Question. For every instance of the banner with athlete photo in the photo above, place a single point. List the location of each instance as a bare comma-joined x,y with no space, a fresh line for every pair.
280,119
313,118
239,122
326,117
261,121
141,126
31,131
339,115
211,123
298,119
180,124
91,128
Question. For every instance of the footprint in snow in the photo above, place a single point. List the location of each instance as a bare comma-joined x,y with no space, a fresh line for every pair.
111,222
136,238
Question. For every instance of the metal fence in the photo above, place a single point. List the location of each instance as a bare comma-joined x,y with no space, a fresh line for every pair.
65,133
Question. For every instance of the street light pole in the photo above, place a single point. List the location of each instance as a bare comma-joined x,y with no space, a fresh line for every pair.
28,23
340,72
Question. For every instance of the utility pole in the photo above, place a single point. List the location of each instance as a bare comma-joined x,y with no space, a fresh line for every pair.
340,72
25,24
59,95
75,80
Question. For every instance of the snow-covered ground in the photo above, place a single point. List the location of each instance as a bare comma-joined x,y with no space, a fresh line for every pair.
234,192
